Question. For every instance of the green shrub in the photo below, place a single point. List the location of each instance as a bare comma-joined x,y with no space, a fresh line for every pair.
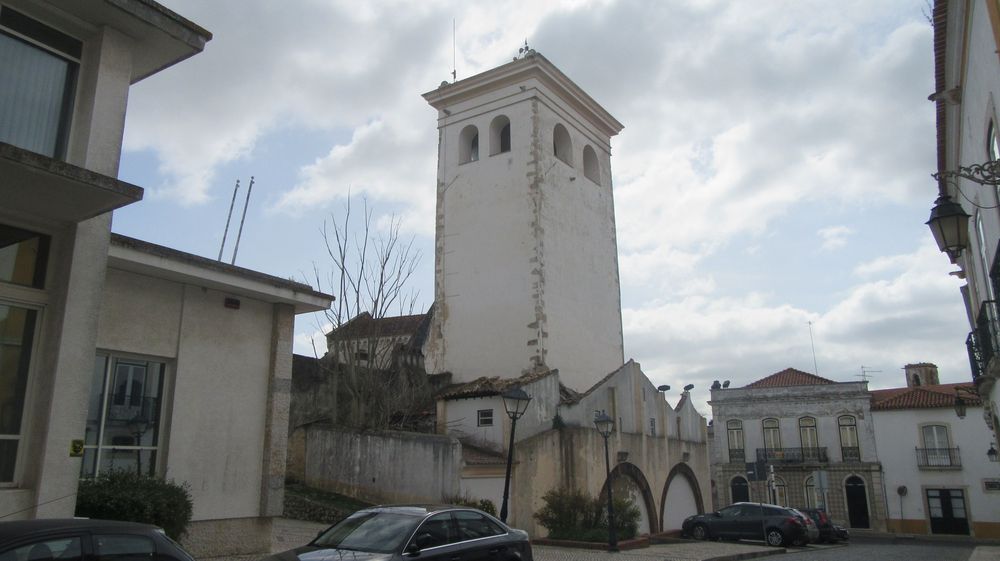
571,514
484,505
124,495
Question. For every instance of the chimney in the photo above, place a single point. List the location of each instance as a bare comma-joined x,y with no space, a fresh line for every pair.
921,374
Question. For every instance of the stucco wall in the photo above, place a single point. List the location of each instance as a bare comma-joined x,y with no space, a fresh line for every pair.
898,435
508,231
219,368
383,467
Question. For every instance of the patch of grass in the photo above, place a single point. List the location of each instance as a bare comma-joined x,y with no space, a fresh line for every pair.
328,498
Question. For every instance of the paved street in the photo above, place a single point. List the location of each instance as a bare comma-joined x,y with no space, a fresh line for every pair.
291,533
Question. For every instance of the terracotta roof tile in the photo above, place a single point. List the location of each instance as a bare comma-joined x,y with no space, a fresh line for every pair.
920,397
487,386
477,456
364,325
789,377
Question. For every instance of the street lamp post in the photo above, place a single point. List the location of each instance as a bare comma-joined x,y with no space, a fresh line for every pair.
605,425
515,402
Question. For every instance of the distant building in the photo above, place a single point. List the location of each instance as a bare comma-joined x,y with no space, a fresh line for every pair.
939,480
966,94
117,353
378,343
816,435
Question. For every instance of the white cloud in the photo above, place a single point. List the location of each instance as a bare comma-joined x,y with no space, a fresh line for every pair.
834,237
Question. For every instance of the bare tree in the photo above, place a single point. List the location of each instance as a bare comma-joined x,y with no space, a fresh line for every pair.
370,270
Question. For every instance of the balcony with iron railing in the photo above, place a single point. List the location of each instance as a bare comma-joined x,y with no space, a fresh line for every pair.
938,458
850,453
983,343
792,455
737,455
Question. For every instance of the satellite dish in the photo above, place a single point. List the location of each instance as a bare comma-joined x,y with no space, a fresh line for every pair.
725,384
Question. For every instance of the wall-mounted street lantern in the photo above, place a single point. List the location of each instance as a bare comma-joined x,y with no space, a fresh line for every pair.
949,222
515,402
605,425
961,405
992,453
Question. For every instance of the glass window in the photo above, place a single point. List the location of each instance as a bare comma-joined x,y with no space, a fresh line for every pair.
772,435
374,532
64,549
435,532
485,417
124,548
809,490
472,526
807,432
123,419
23,256
38,67
17,330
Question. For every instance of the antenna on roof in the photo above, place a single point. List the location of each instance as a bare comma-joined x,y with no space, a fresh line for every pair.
454,51
865,371
813,343
242,220
523,51
228,218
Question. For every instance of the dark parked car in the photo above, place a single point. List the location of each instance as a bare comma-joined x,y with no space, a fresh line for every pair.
827,533
385,533
812,532
774,524
74,539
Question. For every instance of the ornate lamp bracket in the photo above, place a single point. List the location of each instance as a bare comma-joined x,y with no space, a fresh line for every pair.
984,174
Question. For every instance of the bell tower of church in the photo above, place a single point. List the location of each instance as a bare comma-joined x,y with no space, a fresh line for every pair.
526,258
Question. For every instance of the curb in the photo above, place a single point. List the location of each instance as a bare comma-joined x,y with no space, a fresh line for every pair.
747,555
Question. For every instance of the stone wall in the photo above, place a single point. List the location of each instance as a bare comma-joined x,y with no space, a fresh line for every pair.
382,467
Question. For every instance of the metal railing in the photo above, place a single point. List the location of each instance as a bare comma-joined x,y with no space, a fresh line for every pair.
984,341
850,453
938,458
737,455
792,455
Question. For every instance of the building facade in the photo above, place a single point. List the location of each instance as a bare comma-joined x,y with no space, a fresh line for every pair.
939,480
814,435
117,353
966,216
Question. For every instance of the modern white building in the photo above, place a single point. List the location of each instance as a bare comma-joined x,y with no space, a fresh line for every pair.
966,217
939,479
117,353
816,435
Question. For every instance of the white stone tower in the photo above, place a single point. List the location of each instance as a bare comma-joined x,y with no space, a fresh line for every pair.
526,259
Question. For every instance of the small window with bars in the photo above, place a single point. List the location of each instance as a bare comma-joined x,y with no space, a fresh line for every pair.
484,417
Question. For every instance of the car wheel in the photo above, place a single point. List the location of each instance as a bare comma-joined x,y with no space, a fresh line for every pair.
699,532
775,537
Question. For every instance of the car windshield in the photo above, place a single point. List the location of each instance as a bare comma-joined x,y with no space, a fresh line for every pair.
378,532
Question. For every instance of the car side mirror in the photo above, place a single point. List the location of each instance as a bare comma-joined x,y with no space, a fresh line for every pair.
413,550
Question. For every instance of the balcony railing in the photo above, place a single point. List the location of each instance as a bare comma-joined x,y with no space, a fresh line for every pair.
938,458
737,455
792,455
984,341
850,453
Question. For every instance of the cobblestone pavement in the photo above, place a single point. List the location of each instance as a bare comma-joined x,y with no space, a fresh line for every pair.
694,551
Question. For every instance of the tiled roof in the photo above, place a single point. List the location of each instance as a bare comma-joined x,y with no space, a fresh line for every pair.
920,397
487,386
789,377
570,396
364,325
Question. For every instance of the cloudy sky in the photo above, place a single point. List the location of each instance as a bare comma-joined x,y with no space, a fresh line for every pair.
773,171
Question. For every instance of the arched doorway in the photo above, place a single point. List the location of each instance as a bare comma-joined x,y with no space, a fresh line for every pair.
630,482
681,497
739,490
857,501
